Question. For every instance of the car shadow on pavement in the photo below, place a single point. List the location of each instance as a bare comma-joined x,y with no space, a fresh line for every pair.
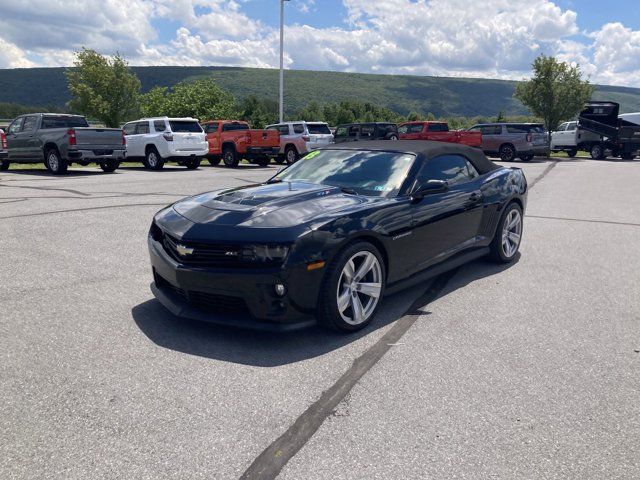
269,349
45,173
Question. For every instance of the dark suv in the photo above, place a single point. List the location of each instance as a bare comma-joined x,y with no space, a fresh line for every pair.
352,132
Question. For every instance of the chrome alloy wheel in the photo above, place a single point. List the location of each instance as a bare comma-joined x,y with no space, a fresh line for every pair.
291,156
53,162
511,233
359,288
152,159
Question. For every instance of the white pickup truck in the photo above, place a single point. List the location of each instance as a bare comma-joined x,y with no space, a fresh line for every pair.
569,138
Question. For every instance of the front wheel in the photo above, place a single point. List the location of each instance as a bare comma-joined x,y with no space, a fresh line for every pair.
506,242
109,166
4,165
55,163
393,137
507,153
153,160
597,151
192,163
291,155
230,157
572,153
352,288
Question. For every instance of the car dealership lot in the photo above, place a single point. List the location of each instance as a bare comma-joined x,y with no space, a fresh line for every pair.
528,371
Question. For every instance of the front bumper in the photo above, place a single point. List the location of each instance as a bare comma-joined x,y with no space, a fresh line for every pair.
238,297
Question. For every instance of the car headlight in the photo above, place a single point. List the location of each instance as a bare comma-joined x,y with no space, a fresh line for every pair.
265,253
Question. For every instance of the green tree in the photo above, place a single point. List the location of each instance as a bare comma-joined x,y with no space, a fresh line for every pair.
556,92
501,118
414,117
258,112
103,88
201,99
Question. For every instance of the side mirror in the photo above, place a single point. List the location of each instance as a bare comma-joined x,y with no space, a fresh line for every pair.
429,188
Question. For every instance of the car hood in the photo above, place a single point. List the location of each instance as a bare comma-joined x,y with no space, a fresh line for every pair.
274,205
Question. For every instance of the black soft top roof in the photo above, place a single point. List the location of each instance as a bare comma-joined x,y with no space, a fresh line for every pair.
425,148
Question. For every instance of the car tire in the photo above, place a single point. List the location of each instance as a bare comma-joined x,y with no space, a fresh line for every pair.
192,163
291,155
263,161
572,153
527,158
230,157
597,151
54,162
109,166
393,137
507,153
279,159
343,304
214,160
506,241
153,160
4,165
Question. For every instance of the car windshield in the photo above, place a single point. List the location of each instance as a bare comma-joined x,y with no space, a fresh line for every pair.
185,127
375,174
318,129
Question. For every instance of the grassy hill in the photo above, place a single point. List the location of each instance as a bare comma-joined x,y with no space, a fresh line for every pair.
401,93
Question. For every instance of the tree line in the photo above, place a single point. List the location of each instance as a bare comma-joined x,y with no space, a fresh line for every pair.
105,89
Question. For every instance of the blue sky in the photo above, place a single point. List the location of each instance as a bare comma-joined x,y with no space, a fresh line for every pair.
488,38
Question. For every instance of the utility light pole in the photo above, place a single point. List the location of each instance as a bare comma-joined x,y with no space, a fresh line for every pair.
282,60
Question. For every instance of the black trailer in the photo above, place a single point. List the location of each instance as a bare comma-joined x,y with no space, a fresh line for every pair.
620,137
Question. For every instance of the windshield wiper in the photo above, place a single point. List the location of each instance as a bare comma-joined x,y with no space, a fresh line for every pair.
348,190
273,180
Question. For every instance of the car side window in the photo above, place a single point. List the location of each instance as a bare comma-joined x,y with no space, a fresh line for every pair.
129,128
403,129
210,127
159,125
298,128
354,130
453,169
368,130
571,126
341,132
143,127
16,126
562,127
29,124
417,128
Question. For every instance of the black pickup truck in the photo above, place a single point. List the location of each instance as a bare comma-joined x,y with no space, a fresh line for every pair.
60,140
619,136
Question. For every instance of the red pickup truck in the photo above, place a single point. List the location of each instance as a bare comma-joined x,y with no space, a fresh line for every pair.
233,140
438,132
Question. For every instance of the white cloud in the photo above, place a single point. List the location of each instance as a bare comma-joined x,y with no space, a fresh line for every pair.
493,38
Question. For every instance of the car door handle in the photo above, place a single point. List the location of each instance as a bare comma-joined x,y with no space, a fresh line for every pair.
475,197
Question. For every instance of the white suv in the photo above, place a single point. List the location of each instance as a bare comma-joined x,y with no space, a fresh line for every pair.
155,141
299,138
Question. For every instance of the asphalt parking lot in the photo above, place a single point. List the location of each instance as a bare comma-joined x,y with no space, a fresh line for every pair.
530,371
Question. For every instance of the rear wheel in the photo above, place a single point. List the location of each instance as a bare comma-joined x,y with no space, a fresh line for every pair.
109,166
507,153
153,159
192,163
597,151
54,162
291,155
230,157
393,137
506,242
4,165
352,288
572,153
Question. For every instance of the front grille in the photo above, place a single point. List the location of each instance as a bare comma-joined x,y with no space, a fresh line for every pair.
202,254
209,302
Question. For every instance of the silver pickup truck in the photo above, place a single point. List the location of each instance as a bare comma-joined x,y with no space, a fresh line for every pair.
60,140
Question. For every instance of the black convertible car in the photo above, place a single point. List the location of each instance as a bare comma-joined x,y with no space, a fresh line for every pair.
327,237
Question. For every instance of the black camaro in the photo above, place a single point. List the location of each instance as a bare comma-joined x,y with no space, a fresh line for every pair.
327,237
